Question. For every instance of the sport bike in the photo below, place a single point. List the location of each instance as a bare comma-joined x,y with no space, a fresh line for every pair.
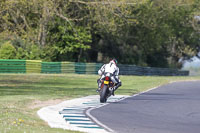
106,89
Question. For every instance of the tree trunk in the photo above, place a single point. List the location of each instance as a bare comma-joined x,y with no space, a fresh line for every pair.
80,53
43,25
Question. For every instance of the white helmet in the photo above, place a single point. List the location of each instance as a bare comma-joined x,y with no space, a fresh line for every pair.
114,61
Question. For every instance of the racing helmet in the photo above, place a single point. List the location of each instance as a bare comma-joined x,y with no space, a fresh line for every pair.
114,61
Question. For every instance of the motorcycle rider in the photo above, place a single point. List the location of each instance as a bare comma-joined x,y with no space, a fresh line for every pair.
112,70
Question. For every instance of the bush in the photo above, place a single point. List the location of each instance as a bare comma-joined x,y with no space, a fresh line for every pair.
33,52
7,51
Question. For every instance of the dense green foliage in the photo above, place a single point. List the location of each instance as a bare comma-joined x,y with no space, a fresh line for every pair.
142,32
7,51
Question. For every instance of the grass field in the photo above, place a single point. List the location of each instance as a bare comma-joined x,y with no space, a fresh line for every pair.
22,95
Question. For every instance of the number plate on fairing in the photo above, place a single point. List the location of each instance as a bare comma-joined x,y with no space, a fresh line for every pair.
106,82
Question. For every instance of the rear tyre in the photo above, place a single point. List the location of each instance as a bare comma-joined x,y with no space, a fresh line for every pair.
103,94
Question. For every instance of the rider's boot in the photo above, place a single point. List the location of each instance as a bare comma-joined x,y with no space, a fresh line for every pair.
112,91
98,90
99,85
115,88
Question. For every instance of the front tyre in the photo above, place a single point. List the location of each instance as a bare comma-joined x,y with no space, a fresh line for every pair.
103,94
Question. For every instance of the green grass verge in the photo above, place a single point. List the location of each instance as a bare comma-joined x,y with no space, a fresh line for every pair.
19,92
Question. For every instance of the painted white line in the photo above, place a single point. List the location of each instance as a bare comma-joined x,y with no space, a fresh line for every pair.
193,80
96,120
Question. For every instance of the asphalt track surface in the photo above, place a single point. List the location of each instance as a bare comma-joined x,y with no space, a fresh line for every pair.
172,108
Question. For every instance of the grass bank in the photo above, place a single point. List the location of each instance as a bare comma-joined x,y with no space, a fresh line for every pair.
21,95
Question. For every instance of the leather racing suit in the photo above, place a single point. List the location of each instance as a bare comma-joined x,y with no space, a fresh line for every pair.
112,70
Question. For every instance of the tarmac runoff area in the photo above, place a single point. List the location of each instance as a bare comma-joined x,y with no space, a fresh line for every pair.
75,114
171,108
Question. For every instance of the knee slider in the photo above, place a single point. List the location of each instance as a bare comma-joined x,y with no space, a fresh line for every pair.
120,83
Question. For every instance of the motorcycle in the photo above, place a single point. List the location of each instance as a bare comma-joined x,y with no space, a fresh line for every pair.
106,89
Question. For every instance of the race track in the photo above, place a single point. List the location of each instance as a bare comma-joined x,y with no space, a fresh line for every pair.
172,108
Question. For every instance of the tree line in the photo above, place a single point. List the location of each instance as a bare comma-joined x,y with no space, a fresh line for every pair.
151,33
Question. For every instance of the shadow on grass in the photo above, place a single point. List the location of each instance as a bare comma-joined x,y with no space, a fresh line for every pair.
16,81
38,90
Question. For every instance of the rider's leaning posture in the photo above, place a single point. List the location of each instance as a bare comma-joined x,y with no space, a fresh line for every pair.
112,70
